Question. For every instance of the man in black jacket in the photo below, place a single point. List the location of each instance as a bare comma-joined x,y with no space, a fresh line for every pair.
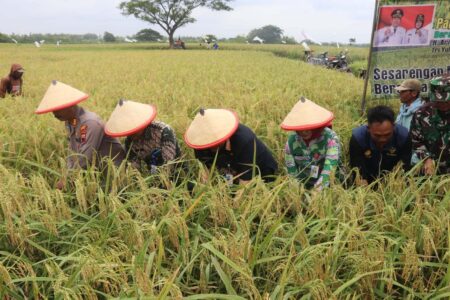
378,147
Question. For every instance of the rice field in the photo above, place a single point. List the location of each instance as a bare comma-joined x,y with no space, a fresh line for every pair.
119,235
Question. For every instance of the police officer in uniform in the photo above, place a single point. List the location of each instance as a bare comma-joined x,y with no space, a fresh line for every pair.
85,129
417,35
393,35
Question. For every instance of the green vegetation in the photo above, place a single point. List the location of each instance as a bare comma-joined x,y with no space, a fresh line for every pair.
118,235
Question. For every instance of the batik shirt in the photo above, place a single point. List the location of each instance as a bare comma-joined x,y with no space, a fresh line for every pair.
313,162
157,146
430,134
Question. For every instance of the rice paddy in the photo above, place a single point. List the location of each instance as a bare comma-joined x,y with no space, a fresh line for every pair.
120,235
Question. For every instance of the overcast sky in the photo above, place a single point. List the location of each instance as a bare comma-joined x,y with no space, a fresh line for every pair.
322,20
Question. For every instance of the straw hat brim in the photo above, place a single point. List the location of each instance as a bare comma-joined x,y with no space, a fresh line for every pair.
120,125
313,126
306,115
56,108
231,119
60,96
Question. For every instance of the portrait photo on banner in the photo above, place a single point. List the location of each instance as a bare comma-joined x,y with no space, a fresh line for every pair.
404,26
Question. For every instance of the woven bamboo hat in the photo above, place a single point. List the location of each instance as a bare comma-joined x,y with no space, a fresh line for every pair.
211,127
306,115
129,117
60,96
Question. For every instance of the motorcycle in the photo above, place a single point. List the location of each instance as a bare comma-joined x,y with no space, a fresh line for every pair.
339,62
321,59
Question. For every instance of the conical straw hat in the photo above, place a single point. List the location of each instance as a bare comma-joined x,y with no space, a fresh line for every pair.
60,96
129,117
210,128
306,115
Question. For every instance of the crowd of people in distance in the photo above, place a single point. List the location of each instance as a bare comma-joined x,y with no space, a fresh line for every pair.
313,154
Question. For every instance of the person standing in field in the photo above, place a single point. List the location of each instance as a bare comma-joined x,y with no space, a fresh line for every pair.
430,128
313,150
150,144
378,147
85,129
13,83
409,91
219,139
393,35
417,35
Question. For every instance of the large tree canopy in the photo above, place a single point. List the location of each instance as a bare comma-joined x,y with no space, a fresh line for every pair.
109,37
270,34
169,14
148,35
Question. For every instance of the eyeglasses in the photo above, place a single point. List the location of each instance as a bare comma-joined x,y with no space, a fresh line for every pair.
404,91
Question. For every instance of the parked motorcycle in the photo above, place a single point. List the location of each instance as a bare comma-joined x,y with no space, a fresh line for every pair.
339,62
321,59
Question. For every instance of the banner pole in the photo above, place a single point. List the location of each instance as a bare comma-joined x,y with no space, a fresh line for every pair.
369,62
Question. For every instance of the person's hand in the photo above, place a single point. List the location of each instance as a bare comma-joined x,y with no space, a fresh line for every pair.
429,166
388,32
204,176
243,182
60,184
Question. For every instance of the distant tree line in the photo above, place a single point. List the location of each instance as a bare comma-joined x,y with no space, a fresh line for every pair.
270,34
50,38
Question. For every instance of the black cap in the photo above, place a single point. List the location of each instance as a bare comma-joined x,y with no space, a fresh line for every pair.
420,17
397,13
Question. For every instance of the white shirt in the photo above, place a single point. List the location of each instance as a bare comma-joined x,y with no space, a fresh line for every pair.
390,36
416,36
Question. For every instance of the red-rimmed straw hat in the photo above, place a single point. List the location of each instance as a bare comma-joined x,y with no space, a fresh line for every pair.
129,117
210,128
306,115
60,96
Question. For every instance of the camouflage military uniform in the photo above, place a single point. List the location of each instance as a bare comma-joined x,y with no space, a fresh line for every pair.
315,162
157,146
430,134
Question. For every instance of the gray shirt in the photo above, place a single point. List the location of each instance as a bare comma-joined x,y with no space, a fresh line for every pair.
89,143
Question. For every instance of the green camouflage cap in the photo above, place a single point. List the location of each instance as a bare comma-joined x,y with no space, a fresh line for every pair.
440,88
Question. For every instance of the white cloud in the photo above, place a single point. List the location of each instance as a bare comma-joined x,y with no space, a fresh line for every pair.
325,20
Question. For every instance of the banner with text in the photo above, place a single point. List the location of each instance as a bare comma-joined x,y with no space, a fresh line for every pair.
411,40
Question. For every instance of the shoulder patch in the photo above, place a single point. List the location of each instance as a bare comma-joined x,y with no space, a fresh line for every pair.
83,133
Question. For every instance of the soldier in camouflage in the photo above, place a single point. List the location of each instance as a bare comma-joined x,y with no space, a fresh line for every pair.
430,128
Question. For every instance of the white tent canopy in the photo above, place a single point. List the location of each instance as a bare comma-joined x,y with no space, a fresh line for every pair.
258,39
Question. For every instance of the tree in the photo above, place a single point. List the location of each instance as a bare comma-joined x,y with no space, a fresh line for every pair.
4,38
210,38
148,35
288,40
270,34
169,14
109,37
